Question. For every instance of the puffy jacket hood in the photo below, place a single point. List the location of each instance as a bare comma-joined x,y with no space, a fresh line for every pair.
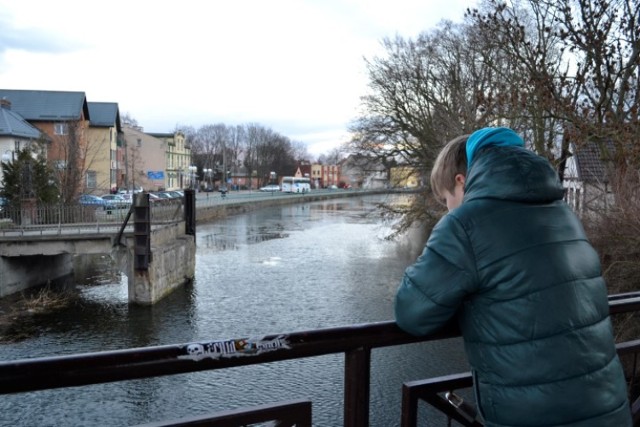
512,173
491,136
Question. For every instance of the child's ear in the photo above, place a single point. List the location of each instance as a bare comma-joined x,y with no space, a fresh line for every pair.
460,179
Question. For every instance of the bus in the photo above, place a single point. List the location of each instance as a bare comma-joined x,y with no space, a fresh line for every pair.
292,184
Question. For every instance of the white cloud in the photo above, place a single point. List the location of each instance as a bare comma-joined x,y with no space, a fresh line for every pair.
291,63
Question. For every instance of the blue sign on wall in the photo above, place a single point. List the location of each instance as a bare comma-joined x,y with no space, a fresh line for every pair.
155,175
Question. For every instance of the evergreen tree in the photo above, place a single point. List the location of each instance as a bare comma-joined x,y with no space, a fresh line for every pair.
25,177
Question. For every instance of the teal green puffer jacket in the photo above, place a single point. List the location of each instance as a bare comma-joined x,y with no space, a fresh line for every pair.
514,265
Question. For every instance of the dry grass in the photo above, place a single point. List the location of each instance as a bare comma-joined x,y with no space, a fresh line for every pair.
46,300
15,324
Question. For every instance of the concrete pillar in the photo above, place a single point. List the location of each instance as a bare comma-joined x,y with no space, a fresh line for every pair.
173,263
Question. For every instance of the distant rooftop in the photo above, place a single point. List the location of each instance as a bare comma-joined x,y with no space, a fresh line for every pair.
44,105
13,125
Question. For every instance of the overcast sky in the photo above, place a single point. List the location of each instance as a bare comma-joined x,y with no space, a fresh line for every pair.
295,66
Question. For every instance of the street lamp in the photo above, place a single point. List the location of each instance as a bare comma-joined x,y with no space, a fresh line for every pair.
207,174
192,175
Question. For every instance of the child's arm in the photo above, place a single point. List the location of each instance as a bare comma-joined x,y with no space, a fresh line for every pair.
433,288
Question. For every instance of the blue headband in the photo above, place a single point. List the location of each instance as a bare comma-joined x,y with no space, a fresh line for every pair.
491,136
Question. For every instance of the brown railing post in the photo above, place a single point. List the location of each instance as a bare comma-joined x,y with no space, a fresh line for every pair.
409,414
357,369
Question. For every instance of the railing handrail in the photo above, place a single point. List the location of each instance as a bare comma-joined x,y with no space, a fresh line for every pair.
135,363
355,341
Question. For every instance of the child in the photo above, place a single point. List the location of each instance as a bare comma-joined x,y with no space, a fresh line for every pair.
511,262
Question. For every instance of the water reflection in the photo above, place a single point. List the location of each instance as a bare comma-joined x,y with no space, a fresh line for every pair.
228,238
276,270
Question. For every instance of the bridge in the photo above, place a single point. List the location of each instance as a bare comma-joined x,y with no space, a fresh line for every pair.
40,244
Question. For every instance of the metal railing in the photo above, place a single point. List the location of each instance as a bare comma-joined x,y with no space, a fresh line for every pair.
287,414
440,393
356,342
61,219
78,219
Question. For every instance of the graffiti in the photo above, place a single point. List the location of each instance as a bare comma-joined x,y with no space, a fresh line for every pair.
233,348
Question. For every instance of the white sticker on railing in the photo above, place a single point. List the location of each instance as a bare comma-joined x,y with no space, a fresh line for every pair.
233,348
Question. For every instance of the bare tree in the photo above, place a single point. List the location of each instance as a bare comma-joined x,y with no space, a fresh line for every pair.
423,93
71,156
333,157
300,151
580,62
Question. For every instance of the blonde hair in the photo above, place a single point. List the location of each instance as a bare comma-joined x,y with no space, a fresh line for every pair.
451,161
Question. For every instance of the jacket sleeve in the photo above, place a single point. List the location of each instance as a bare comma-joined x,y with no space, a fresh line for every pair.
434,287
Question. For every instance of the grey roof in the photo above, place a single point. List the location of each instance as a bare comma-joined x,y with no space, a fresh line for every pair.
162,134
12,124
104,114
591,159
44,105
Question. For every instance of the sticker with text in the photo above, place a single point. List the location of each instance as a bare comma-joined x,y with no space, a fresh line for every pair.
233,348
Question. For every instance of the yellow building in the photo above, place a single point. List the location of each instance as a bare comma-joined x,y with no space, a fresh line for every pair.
101,160
178,158
404,177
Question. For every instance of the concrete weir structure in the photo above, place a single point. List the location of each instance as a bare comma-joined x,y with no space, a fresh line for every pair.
172,263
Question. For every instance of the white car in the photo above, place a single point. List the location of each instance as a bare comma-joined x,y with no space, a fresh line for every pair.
270,188
136,189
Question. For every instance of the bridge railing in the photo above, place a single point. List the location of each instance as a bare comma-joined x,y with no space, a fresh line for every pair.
355,342
67,219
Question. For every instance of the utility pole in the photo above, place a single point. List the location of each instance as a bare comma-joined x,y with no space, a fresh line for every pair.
126,164
224,162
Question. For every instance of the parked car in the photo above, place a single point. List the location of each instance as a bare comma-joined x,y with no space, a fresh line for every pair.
127,196
160,197
136,189
270,187
91,200
116,201
170,194
332,187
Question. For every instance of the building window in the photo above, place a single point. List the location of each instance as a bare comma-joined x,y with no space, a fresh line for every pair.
91,179
60,128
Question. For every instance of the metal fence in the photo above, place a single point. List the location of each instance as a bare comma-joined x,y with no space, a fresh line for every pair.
77,219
